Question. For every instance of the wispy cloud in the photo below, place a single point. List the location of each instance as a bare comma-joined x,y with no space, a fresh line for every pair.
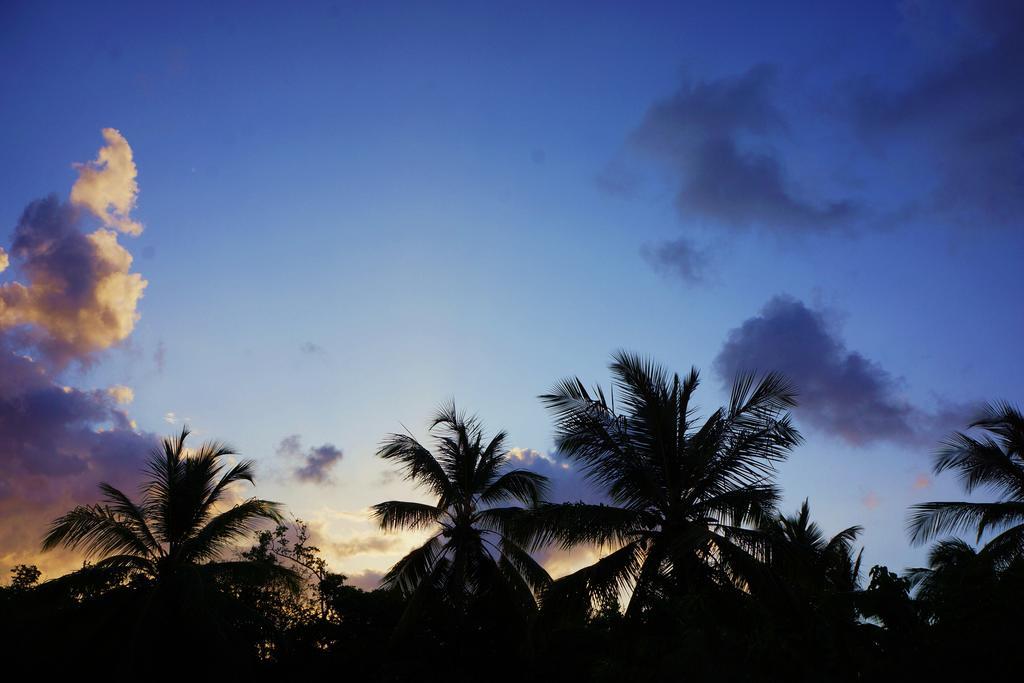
367,580
311,349
871,500
716,137
314,464
963,113
160,356
365,545
679,258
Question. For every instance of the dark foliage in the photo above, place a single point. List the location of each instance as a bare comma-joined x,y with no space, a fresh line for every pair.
702,577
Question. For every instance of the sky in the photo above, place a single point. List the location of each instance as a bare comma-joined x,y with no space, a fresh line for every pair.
299,227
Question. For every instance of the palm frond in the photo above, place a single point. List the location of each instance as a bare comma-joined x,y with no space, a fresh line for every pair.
394,515
572,524
933,519
128,563
745,505
240,471
509,522
131,514
982,463
409,572
771,395
229,526
616,571
253,574
96,530
1007,547
842,543
522,485
535,576
419,464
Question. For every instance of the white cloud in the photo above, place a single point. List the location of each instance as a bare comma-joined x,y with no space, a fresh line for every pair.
107,186
121,394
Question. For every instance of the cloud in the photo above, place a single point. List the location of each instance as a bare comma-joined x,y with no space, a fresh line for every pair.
963,114
107,186
56,444
716,137
841,392
530,456
311,349
871,500
160,356
560,562
936,138
5,260
367,580
75,297
80,297
922,481
360,542
121,394
364,545
316,462
679,258
567,483
290,446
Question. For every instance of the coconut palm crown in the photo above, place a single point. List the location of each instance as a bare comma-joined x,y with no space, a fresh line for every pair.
179,521
685,496
993,461
469,479
802,553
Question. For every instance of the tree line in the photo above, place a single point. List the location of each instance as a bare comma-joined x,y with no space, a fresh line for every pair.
701,575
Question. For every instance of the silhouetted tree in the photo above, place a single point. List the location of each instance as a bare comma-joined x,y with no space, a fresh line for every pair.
896,628
959,581
291,545
972,596
25,576
806,599
720,584
887,601
807,560
170,543
993,461
468,564
686,496
972,599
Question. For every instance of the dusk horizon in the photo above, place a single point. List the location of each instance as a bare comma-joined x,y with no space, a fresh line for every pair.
304,231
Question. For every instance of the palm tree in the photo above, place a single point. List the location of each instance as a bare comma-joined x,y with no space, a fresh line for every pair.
994,461
971,598
683,495
169,545
958,577
800,552
467,556
177,526
805,599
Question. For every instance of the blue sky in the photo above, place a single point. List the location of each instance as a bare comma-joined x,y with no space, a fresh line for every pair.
355,211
